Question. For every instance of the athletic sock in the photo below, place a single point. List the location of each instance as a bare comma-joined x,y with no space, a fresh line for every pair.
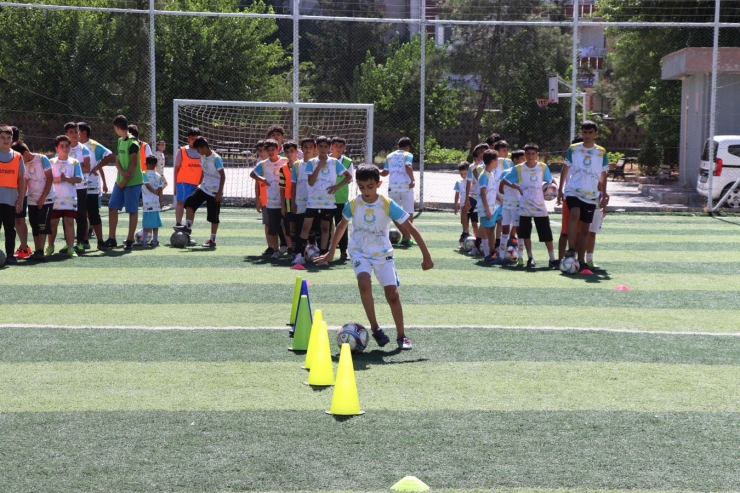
552,255
486,249
213,237
189,223
144,236
504,241
589,257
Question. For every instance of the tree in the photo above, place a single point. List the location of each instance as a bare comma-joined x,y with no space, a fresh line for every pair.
395,90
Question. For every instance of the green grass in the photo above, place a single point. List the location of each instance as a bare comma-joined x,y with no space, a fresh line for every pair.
502,407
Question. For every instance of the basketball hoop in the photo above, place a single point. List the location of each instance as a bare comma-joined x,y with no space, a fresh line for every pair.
542,103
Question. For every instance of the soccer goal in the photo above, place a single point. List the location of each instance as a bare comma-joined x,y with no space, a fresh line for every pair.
233,129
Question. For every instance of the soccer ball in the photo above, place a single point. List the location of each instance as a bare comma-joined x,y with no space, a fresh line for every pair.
312,251
2,258
139,235
179,239
512,254
569,265
469,243
394,236
355,335
549,190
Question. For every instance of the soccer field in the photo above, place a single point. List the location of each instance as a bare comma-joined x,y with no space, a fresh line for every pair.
519,380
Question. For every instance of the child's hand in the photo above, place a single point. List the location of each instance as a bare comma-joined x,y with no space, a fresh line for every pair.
258,206
105,188
456,210
62,177
412,184
427,263
283,210
219,196
41,200
121,185
327,257
488,214
332,190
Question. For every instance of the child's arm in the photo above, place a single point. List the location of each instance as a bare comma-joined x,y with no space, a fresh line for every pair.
102,177
21,192
47,187
407,227
151,188
338,233
257,177
160,193
410,172
258,204
85,164
512,185
457,201
315,173
347,179
220,193
484,201
283,208
103,162
466,204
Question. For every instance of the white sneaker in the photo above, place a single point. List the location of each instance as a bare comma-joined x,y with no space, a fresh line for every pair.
283,249
473,252
275,255
298,260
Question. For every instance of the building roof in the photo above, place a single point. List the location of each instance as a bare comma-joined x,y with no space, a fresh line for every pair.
692,61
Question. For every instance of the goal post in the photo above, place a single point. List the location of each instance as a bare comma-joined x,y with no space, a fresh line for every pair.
233,129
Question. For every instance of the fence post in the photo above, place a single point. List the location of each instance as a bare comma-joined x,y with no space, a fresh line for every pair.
152,78
712,107
422,97
574,76
296,64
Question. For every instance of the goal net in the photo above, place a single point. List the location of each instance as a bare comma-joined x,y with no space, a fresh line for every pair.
233,129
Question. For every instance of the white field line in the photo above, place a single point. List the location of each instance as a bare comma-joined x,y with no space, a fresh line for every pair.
335,327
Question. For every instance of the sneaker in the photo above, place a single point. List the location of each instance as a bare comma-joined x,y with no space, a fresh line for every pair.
298,260
70,252
38,256
531,263
102,246
380,337
463,236
407,243
86,245
21,253
404,343
591,265
191,242
49,250
63,251
268,252
473,252
209,244
275,255
111,243
554,264
495,260
11,261
153,243
283,249
140,244
128,245
343,257
80,248
183,229
520,262
570,253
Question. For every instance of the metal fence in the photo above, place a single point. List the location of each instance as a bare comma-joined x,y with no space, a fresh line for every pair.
479,69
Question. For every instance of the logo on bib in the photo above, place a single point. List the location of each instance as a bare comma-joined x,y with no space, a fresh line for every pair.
369,216
587,160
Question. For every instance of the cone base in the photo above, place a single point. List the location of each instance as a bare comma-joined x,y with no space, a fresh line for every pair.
358,414
297,350
310,385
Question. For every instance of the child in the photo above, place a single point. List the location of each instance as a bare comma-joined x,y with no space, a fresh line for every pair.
210,191
471,191
268,172
161,146
529,177
188,174
504,164
66,173
583,176
338,146
127,191
100,156
399,168
81,153
151,199
322,174
40,195
459,188
12,189
510,211
286,195
300,195
488,182
371,250
144,150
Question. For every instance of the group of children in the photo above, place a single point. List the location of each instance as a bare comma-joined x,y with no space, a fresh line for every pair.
501,196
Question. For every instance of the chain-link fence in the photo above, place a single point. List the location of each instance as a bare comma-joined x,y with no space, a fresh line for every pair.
481,69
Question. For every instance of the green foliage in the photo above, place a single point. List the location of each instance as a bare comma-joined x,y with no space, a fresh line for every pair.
650,156
393,87
613,157
436,154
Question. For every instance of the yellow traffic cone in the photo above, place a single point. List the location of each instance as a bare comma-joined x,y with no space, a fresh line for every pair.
296,298
345,401
322,372
318,317
302,326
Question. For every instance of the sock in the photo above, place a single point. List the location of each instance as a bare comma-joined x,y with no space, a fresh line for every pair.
144,236
213,236
552,254
155,235
520,245
498,243
589,257
189,223
486,249
504,241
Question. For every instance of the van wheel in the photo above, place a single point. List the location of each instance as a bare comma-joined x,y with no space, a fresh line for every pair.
733,201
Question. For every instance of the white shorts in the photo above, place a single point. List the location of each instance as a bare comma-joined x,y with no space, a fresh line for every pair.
404,198
510,217
595,226
385,270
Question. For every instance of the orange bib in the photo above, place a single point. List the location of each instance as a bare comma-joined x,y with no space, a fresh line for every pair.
9,171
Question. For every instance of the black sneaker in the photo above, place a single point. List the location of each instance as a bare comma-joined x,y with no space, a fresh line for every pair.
268,252
102,246
38,256
380,337
531,263
554,264
128,245
11,261
183,229
404,343
110,243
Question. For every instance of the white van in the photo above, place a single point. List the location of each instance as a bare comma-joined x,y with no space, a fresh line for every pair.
725,166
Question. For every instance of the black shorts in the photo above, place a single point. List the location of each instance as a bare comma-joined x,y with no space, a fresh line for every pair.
323,214
40,219
93,209
587,210
544,232
213,208
274,221
472,212
22,213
